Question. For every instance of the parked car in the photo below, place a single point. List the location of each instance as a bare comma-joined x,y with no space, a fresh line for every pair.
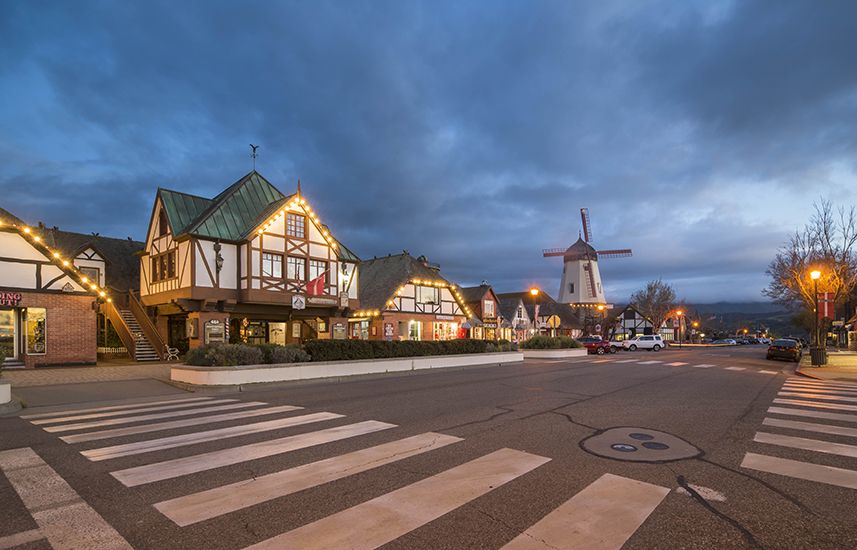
725,342
766,341
653,342
785,349
616,345
595,345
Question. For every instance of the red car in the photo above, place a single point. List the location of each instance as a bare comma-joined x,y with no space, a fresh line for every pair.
596,346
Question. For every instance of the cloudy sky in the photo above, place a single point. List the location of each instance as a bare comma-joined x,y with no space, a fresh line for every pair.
697,133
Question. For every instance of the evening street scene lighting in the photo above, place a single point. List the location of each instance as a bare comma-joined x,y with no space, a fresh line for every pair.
411,274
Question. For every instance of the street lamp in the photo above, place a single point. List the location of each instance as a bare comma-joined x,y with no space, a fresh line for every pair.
601,309
815,275
695,326
679,313
534,292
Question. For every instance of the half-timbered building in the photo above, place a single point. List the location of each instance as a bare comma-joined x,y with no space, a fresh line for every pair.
487,322
54,286
251,264
406,298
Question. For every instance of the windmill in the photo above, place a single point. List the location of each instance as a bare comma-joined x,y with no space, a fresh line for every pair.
581,281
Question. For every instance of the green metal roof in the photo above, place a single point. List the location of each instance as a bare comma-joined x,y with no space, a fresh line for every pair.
182,209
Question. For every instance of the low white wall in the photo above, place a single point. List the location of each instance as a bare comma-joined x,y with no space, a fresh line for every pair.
253,374
553,353
5,393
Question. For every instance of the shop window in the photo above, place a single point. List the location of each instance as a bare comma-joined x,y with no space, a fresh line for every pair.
316,268
296,226
427,295
272,265
36,324
414,330
488,308
360,330
296,269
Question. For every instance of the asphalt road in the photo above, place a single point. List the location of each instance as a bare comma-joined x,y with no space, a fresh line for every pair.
511,456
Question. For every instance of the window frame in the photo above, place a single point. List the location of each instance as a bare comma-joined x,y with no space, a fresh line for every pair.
297,259
302,225
271,256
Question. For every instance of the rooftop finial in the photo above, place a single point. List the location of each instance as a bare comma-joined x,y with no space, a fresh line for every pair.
253,154
299,187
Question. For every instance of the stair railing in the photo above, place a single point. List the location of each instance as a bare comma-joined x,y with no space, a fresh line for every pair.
112,312
149,329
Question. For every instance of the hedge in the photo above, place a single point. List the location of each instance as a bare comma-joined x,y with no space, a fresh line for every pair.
229,355
550,342
343,350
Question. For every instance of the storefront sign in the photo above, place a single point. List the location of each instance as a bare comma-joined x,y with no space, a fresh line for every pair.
321,301
489,325
389,331
339,332
444,317
214,332
343,299
298,301
11,299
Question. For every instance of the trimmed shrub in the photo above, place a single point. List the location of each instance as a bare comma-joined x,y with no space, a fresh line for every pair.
550,342
224,355
342,350
504,345
288,354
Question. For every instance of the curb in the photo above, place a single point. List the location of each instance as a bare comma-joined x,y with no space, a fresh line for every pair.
11,407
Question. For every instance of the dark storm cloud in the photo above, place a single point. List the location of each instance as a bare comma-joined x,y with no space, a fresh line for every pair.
698,134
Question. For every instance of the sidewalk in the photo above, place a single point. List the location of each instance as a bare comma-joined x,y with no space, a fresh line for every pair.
841,365
77,375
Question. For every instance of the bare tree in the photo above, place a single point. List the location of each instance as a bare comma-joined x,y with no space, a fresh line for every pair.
825,244
655,302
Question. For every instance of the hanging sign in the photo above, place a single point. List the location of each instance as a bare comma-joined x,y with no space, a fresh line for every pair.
298,301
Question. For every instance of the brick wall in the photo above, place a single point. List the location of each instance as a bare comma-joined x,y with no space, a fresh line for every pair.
70,329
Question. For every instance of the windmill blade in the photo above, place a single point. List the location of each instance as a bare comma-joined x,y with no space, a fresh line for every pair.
587,230
548,252
592,292
619,253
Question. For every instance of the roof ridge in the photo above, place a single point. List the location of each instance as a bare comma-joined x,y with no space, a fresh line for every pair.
183,193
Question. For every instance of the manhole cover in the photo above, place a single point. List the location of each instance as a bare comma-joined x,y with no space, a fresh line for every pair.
639,445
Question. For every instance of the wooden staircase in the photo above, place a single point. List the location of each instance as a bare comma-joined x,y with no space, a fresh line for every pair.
135,329
143,349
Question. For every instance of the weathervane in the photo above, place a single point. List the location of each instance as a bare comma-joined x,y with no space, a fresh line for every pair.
253,154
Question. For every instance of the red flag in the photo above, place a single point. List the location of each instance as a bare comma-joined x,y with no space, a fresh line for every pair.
316,286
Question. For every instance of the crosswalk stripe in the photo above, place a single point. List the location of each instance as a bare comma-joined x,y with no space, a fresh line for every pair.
768,371
810,427
818,396
832,406
135,411
676,364
806,444
813,389
147,428
145,417
813,414
801,470
820,384
228,498
735,368
20,538
626,361
178,467
63,517
113,408
602,361
386,518
649,362
703,366
604,515
150,445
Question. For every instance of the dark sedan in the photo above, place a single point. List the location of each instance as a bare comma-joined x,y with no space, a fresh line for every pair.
785,349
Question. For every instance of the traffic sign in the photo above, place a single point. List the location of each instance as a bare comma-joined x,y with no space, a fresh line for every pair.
554,321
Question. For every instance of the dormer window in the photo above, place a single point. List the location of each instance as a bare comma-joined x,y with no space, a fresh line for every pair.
296,226
163,226
488,308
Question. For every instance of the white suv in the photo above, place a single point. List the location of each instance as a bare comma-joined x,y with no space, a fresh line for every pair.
653,342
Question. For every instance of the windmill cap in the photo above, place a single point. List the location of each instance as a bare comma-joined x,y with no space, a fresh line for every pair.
580,249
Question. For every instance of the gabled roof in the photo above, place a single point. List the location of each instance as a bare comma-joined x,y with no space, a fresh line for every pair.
547,306
379,278
181,208
472,294
508,306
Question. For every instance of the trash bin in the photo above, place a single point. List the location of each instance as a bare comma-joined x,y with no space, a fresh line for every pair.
818,356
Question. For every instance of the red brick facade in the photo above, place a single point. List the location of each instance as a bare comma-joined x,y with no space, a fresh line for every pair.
70,329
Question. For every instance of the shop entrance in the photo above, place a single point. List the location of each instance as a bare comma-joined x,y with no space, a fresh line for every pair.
9,333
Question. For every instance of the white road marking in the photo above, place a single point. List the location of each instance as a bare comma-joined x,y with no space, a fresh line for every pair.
626,361
708,494
169,469
806,444
818,396
703,366
801,470
113,408
228,498
810,427
813,414
820,384
386,518
150,445
768,371
602,361
64,518
135,411
832,406
604,515
145,417
676,364
735,368
649,362
814,389
160,426
20,538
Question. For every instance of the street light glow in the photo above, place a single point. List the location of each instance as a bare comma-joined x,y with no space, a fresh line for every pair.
815,275
679,313
534,291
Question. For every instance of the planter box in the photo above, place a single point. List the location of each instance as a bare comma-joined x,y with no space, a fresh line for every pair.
553,353
254,374
5,393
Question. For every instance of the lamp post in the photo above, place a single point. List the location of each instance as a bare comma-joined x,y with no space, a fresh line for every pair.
679,313
534,292
695,326
815,275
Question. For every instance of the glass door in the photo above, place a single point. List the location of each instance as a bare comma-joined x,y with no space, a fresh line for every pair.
8,333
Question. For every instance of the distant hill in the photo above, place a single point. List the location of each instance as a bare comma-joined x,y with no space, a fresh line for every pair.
730,317
721,308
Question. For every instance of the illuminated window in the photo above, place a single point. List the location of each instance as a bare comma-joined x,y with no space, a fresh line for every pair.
272,265
296,226
316,268
427,295
36,341
296,269
488,308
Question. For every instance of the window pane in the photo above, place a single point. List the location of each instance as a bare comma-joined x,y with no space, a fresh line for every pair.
272,265
296,269
296,226
36,318
316,268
